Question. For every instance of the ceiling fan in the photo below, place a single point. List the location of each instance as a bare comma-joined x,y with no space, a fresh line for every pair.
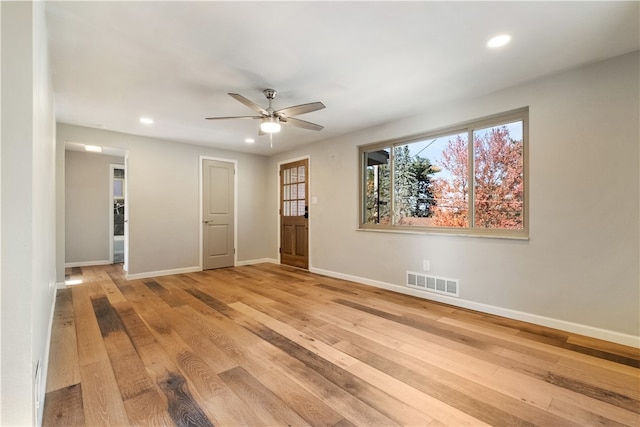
271,119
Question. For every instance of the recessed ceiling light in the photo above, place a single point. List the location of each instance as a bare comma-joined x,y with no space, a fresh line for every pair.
93,148
249,140
146,120
498,41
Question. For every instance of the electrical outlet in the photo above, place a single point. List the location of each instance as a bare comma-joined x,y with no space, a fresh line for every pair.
426,265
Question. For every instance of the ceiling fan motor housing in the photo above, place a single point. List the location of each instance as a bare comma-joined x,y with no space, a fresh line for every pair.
270,93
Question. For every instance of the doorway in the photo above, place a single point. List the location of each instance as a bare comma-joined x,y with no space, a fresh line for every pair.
294,213
218,213
117,221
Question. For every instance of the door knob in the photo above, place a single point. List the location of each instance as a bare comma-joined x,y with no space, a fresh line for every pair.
206,221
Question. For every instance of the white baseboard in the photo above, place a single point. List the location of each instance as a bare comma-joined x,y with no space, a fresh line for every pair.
590,331
192,269
257,261
87,263
162,273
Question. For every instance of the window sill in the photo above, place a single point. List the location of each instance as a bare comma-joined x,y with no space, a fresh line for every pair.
445,233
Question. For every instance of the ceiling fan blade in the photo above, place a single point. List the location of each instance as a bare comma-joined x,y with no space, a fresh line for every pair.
301,123
233,117
301,109
249,103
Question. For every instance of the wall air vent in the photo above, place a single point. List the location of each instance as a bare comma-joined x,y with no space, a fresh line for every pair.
428,283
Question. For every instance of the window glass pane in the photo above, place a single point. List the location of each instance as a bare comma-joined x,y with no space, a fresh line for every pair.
414,202
117,187
118,217
294,192
499,177
287,192
301,207
294,209
301,174
301,191
287,176
430,182
287,208
377,187
294,175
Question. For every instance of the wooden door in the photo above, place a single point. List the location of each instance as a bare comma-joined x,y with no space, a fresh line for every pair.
218,249
294,214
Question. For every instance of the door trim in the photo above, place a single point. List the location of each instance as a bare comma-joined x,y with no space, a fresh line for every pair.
235,206
112,167
309,181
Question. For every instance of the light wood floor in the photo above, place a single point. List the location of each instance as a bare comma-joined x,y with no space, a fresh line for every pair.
270,345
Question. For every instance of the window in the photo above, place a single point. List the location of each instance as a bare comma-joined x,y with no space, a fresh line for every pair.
439,182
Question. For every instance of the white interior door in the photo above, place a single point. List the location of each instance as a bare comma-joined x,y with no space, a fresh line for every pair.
218,222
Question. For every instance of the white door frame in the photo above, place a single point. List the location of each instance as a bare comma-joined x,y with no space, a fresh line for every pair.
125,265
112,167
284,162
235,206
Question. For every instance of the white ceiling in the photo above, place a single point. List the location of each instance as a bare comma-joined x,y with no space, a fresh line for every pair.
368,62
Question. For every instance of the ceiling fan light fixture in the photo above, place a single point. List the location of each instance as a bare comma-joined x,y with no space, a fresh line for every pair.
270,125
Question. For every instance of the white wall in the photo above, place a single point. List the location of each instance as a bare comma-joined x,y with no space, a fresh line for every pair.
87,205
164,196
580,268
28,211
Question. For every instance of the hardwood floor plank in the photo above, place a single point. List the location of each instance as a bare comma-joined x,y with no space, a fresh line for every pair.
306,403
128,369
89,339
63,313
134,327
63,407
582,416
320,348
148,409
607,346
103,405
423,326
586,389
351,408
273,411
223,406
513,382
166,295
228,336
63,369
183,409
